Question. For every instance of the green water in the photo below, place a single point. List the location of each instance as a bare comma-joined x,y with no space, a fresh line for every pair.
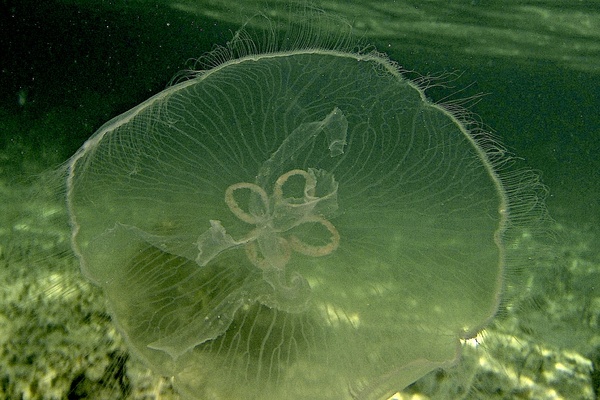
72,66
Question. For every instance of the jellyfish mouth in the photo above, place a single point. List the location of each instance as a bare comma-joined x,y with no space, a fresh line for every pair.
278,220
292,219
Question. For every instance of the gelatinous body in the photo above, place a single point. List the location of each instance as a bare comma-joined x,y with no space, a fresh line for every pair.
302,224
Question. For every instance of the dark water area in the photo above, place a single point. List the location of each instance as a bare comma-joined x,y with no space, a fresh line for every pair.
95,62
91,63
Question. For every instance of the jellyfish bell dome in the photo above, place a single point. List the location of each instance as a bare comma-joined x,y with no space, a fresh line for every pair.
296,221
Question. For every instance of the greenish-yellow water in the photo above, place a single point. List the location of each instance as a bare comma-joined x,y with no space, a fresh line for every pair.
539,105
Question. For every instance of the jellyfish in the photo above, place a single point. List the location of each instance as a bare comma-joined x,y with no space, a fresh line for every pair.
295,223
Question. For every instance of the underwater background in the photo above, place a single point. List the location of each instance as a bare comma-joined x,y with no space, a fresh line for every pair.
528,69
